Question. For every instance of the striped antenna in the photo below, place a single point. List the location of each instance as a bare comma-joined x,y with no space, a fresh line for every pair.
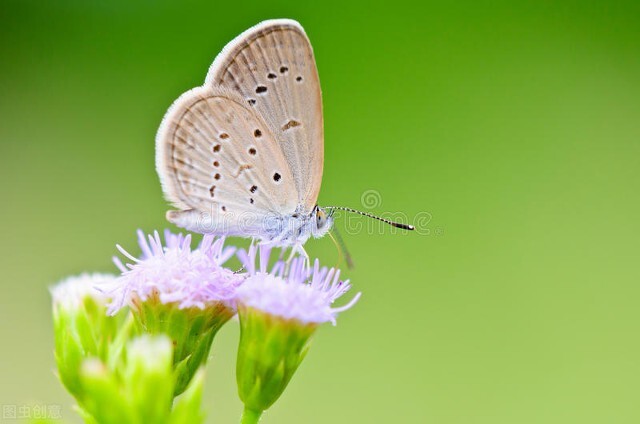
368,215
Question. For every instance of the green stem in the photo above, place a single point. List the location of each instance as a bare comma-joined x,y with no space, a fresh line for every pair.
249,416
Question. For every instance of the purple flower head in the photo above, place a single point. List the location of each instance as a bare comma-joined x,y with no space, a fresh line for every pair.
174,273
300,292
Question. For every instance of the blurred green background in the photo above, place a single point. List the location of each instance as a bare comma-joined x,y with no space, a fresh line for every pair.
515,125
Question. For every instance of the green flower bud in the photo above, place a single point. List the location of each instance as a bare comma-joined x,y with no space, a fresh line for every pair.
81,326
140,388
271,349
116,379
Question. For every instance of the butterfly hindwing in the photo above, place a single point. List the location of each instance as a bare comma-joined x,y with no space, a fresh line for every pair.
272,68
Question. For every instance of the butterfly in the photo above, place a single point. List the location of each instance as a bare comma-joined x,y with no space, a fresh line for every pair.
243,154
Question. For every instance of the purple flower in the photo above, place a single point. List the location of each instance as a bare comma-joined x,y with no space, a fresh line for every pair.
297,292
174,273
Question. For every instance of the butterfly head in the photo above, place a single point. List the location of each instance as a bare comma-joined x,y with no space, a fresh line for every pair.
323,222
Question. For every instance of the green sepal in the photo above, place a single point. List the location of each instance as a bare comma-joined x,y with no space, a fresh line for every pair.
190,329
102,397
187,407
271,349
147,379
82,331
140,388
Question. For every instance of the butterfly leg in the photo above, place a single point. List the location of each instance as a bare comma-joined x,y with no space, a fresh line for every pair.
299,248
305,255
281,256
296,248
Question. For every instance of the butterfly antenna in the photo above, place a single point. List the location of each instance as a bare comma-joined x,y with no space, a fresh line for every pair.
368,215
342,248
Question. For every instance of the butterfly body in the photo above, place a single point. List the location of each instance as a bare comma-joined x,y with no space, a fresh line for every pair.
274,229
297,228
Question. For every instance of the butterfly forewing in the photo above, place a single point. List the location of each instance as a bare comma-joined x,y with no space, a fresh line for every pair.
216,155
272,67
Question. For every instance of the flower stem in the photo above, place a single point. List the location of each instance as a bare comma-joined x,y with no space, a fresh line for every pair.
249,416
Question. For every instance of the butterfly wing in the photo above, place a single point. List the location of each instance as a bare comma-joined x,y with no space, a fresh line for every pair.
220,164
272,67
